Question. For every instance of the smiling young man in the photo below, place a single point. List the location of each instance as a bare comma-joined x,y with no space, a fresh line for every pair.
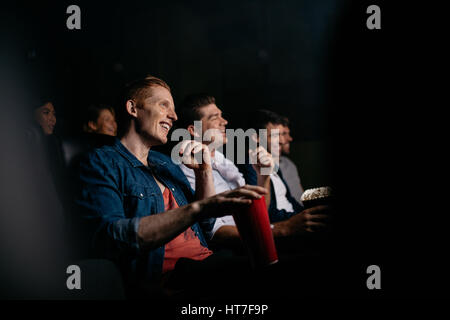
138,206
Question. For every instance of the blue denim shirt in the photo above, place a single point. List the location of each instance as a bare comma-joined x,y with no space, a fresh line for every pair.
116,191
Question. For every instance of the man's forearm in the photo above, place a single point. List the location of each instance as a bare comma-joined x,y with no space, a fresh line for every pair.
158,229
227,236
204,184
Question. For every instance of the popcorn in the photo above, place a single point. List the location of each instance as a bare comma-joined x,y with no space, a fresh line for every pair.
316,196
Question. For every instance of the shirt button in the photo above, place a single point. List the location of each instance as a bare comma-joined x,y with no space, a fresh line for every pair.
141,195
173,189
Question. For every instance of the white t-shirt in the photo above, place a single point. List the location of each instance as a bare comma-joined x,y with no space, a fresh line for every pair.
280,193
226,177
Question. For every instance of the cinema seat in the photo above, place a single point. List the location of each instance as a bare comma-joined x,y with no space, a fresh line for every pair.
74,147
100,278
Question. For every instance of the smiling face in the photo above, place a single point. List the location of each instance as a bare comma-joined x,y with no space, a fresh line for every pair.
285,140
46,118
155,115
105,124
212,120
211,117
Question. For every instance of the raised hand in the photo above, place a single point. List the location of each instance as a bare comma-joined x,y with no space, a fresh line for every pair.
195,155
262,161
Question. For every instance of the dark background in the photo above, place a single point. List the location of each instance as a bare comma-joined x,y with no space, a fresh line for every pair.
349,93
248,54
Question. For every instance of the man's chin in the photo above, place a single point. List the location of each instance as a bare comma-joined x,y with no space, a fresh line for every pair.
285,151
162,141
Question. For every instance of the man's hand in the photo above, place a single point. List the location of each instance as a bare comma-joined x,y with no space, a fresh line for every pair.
262,161
308,221
195,155
229,201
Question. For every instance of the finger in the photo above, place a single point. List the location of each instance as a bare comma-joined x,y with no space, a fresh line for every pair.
187,156
187,159
315,224
265,161
318,217
254,138
197,148
317,209
239,201
259,154
189,147
182,146
257,189
245,193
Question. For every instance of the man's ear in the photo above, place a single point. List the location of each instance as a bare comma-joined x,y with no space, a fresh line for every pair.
131,108
92,126
191,130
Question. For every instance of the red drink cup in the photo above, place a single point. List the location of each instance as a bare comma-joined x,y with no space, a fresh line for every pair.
256,233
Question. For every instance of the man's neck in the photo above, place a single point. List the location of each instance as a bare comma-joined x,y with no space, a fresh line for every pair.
136,145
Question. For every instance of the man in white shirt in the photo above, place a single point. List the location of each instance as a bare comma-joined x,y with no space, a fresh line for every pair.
227,176
287,166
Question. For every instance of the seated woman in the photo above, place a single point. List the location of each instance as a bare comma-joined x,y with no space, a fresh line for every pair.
45,117
100,119
41,134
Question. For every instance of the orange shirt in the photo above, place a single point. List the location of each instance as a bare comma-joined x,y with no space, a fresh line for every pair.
185,245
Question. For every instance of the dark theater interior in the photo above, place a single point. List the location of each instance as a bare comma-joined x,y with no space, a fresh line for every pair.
314,63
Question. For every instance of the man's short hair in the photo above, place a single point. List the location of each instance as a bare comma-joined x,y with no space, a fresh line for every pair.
137,90
262,117
189,110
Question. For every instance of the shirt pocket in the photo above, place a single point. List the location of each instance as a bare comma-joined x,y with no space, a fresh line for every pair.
139,201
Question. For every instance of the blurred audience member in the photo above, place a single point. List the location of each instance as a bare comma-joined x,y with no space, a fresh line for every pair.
45,116
100,119
42,133
287,166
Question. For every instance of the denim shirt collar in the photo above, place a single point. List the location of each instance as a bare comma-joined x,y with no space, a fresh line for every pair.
152,161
